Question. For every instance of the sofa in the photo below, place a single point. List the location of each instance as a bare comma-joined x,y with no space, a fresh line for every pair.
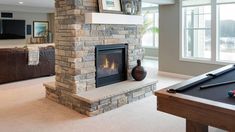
14,64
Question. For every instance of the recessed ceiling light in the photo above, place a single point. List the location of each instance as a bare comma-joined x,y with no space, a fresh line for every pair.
21,2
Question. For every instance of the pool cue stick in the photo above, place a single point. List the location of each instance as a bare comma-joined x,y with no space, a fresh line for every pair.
216,84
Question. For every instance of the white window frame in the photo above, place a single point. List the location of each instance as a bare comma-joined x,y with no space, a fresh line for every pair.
214,38
155,8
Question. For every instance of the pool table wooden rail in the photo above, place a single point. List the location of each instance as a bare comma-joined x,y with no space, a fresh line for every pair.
198,112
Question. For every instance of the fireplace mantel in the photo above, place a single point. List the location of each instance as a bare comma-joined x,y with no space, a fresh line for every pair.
107,18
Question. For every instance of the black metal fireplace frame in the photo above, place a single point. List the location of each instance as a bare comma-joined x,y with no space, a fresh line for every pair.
98,48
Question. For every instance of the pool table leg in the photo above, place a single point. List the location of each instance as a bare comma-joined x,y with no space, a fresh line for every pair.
192,126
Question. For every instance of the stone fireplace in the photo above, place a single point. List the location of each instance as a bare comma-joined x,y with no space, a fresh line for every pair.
111,64
82,83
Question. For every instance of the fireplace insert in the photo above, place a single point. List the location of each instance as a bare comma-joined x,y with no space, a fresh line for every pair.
111,64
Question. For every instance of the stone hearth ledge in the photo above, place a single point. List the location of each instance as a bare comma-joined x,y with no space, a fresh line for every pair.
104,98
108,91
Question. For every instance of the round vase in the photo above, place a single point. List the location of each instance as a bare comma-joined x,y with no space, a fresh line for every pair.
138,72
130,7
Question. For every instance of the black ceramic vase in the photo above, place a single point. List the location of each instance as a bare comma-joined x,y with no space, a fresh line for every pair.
138,72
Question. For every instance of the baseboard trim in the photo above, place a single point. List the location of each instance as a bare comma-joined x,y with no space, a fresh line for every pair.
151,57
174,75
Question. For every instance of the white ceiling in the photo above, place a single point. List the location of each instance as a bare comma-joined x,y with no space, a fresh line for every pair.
46,6
39,6
50,3
31,3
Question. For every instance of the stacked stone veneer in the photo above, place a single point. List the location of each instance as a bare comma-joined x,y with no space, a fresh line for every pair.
75,44
92,108
75,47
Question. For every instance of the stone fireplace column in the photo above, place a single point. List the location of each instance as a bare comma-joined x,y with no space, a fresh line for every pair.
75,44
75,68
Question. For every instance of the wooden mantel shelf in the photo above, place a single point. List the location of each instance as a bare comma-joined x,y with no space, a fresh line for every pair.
107,18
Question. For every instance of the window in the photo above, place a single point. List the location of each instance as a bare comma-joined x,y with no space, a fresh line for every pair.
208,30
197,30
150,27
226,31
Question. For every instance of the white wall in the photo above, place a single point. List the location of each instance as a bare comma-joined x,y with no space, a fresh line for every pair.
29,18
169,43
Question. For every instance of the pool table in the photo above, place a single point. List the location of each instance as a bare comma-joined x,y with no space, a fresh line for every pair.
202,107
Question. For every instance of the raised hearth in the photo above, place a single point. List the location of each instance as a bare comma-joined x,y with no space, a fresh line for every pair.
105,98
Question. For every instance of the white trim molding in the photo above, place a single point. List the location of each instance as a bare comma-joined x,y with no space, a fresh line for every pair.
151,57
170,74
